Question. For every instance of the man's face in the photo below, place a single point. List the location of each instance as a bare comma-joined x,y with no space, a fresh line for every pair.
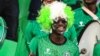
59,25
90,1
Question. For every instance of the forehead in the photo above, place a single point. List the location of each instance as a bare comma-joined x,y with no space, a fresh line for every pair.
59,18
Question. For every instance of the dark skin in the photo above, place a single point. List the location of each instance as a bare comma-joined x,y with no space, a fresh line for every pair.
91,5
58,28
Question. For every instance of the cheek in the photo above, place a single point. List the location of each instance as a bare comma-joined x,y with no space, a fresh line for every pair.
53,27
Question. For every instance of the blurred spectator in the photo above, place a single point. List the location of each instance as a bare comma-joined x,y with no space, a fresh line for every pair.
9,11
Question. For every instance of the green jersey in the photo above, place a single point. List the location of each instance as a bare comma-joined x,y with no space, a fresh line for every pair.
43,46
82,18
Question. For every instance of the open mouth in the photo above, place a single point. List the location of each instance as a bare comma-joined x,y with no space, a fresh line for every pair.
61,29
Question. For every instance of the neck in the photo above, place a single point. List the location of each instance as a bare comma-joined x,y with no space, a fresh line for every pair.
57,38
91,7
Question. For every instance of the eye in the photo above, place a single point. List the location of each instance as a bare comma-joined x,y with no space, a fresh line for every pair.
57,20
63,21
54,21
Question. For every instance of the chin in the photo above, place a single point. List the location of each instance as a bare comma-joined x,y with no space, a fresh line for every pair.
61,33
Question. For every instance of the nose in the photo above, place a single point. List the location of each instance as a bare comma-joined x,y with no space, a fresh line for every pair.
60,22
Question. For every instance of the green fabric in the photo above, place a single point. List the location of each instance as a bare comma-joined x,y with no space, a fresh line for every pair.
22,49
97,49
3,31
32,29
46,48
71,34
8,48
82,18
23,15
70,2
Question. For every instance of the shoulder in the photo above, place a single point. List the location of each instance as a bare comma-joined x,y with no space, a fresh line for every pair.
40,37
79,14
32,22
72,28
78,11
34,43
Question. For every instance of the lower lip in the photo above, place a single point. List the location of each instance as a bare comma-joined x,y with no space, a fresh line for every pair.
61,29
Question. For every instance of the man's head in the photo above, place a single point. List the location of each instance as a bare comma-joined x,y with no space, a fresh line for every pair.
59,25
48,14
90,2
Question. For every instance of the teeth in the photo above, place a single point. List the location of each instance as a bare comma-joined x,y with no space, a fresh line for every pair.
61,28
